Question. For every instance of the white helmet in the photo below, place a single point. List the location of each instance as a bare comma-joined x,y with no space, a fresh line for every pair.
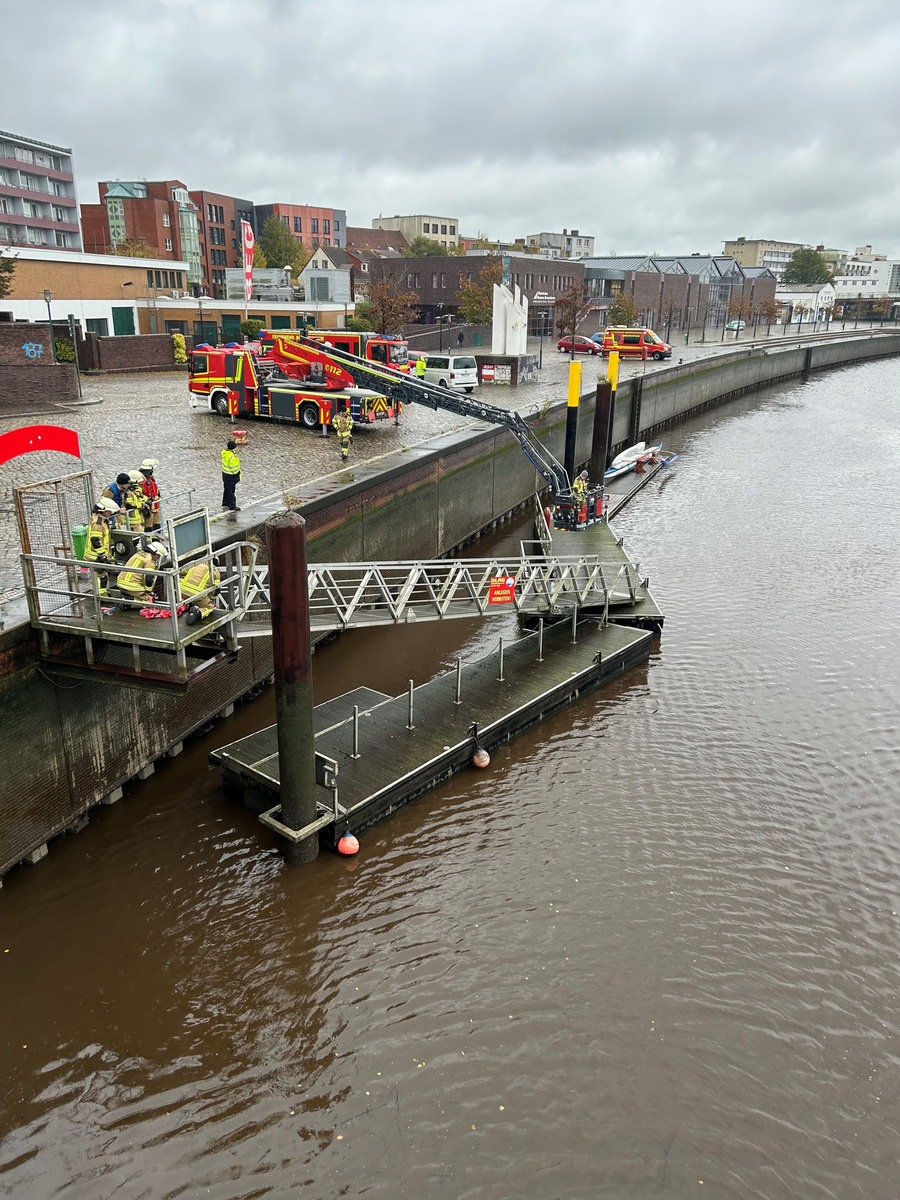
106,505
135,477
156,548
149,464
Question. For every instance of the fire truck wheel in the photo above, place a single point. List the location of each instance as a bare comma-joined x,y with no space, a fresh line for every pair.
220,404
309,416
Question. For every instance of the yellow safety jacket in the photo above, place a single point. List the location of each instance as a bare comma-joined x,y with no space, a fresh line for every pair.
134,509
420,368
343,424
579,487
231,464
134,579
97,543
196,579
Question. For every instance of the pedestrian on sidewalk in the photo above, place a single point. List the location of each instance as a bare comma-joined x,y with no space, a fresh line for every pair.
231,475
460,338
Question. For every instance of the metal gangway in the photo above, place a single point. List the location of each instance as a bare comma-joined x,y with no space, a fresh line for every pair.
360,595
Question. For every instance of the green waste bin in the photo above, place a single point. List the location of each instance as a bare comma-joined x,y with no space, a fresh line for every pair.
79,539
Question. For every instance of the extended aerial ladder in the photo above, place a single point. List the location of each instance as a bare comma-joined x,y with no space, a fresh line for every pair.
333,368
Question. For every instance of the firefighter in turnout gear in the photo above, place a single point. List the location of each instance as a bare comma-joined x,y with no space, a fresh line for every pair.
136,581
194,580
98,545
135,503
150,488
580,487
343,427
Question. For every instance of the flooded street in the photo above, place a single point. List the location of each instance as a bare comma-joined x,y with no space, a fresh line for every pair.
653,950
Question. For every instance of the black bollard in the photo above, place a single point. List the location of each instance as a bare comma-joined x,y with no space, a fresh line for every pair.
600,436
292,654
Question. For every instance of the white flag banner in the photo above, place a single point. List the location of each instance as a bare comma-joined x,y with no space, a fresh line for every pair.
249,242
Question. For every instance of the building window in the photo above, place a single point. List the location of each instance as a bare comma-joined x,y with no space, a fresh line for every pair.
314,225
443,280
24,155
298,224
168,243
444,230
286,220
434,279
426,227
149,279
166,221
98,325
326,225
337,227
31,183
453,230
32,210
62,240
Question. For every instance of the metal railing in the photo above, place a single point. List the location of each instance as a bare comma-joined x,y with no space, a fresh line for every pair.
352,595
73,596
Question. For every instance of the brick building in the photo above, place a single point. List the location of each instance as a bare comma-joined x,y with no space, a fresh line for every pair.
437,280
312,225
160,214
38,202
220,236
105,292
676,292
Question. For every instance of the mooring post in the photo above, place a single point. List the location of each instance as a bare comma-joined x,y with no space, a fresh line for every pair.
572,418
458,699
600,436
574,626
355,731
500,676
540,639
292,660
612,375
411,690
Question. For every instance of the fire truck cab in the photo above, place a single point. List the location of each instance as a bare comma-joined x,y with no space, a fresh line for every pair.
267,381
386,349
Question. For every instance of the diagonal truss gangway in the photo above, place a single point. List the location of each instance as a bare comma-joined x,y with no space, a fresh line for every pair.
356,595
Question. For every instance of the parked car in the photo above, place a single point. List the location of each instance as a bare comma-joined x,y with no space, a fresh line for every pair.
598,337
583,345
633,342
738,325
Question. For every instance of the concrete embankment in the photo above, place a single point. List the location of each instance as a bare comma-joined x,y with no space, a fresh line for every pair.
68,747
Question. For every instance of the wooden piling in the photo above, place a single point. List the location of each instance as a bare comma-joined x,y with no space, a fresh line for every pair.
292,655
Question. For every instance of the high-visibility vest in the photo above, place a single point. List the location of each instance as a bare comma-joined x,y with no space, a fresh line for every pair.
231,464
420,368
343,424
134,579
134,508
196,579
97,543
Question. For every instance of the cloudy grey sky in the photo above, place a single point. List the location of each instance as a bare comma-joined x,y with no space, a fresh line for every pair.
654,126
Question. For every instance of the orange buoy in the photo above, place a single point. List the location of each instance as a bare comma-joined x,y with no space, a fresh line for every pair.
348,844
481,758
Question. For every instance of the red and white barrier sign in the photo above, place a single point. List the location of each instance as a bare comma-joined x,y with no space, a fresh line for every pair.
248,241
502,589
487,373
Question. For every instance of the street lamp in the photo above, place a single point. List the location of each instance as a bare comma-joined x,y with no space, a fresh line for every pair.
48,296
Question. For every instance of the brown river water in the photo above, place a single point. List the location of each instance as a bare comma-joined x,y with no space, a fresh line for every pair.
653,950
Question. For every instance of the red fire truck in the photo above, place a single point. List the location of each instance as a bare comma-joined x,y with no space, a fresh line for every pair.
280,381
385,349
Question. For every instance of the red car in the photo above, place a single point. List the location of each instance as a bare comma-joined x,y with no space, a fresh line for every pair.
583,345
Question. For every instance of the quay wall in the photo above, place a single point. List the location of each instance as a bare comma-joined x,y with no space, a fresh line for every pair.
69,746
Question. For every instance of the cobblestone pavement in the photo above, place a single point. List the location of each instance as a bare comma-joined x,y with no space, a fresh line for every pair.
127,418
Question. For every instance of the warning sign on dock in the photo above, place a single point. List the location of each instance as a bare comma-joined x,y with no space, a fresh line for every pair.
502,589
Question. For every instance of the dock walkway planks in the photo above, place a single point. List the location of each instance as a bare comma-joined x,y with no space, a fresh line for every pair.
396,764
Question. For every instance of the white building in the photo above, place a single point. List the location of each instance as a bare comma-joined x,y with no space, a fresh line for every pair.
568,244
803,302
868,277
442,229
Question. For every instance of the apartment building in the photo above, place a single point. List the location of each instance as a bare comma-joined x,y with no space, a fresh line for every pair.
220,220
757,252
442,229
38,202
160,214
313,225
568,244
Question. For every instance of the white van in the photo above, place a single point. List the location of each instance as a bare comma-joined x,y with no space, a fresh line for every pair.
449,370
